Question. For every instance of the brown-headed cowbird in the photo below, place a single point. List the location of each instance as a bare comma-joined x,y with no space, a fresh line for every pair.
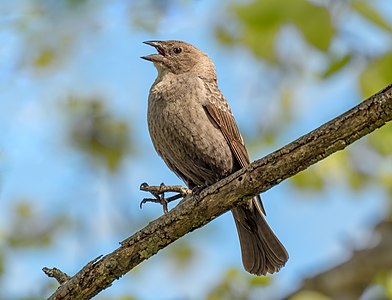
193,129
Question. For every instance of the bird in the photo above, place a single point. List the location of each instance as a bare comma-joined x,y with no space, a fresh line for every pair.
193,130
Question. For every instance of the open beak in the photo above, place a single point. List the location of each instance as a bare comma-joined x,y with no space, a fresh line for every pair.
158,57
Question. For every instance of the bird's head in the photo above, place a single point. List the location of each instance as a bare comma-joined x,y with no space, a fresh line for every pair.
178,57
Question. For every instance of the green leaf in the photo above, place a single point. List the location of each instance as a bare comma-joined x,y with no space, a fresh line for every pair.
264,47
309,179
263,19
388,285
98,132
28,230
385,180
376,75
224,36
315,24
2,263
181,254
356,179
309,295
259,281
335,65
381,140
371,15
44,58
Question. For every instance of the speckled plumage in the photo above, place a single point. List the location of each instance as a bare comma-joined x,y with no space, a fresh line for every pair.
182,133
193,129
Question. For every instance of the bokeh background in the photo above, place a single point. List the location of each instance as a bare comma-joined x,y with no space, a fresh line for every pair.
74,145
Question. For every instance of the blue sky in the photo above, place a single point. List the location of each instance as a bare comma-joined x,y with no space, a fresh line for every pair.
37,162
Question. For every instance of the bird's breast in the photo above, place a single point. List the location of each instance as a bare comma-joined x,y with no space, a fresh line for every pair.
183,134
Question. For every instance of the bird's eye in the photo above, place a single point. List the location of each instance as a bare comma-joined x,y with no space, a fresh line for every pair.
177,50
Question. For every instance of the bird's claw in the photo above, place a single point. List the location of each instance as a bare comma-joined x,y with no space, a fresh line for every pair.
143,186
197,189
158,199
159,194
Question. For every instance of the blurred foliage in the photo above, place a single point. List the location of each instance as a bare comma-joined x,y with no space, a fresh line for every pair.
51,33
97,132
309,295
381,141
384,280
262,21
2,262
237,285
367,11
388,285
28,230
45,57
310,179
48,31
321,26
181,254
336,64
348,166
377,73
148,14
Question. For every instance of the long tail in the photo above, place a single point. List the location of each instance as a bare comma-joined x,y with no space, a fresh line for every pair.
262,252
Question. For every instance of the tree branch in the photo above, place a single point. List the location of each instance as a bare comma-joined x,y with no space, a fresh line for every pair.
234,190
57,274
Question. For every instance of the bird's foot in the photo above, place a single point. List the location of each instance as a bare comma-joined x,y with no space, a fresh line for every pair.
197,189
159,194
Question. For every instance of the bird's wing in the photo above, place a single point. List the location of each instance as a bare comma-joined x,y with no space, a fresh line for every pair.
219,111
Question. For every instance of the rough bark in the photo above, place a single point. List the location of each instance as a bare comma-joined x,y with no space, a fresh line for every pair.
236,189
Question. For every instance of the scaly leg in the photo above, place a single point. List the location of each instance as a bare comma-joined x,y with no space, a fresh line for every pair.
159,194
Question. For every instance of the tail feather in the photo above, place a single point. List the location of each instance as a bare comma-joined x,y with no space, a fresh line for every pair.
262,252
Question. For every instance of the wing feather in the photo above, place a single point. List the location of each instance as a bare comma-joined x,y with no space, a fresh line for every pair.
220,113
224,119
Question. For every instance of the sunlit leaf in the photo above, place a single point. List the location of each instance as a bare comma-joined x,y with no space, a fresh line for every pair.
386,181
263,19
309,179
357,180
388,285
309,295
231,273
45,58
97,132
224,36
237,284
381,140
28,230
260,280
262,47
126,298
24,210
371,14
181,254
2,263
376,75
335,65
314,22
